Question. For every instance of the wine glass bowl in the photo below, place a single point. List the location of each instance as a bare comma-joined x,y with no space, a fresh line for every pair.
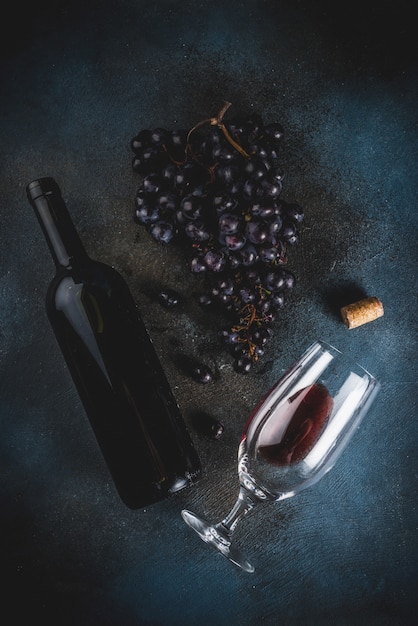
293,437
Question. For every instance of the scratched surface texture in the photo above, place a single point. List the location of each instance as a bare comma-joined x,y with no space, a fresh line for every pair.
78,80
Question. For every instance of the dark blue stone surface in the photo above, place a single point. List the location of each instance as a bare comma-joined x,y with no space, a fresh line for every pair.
79,79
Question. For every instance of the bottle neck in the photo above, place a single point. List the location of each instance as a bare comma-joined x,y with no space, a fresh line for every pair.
63,241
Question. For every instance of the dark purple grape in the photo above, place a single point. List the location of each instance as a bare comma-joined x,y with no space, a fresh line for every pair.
290,233
248,255
264,210
208,426
275,228
168,173
255,168
250,187
146,214
205,300
229,223
294,212
277,300
159,137
236,128
274,131
151,183
224,202
253,126
149,160
228,174
141,199
168,298
235,242
269,188
264,307
162,231
141,141
189,175
197,231
289,279
267,253
275,280
214,136
198,265
215,429
202,374
258,351
257,232
192,207
230,337
138,164
247,295
276,174
259,150
199,191
261,335
224,152
167,201
214,261
243,364
253,277
227,285
176,144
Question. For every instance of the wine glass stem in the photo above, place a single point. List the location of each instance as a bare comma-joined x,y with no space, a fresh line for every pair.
241,507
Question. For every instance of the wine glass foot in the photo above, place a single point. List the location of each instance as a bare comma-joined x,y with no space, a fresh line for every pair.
212,535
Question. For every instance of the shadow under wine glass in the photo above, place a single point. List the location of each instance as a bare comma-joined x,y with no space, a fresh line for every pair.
293,437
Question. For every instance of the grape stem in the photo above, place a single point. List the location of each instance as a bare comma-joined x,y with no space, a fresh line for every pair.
217,120
245,324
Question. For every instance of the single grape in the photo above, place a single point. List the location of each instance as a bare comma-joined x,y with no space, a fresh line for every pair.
248,255
274,131
208,425
236,241
168,298
192,207
166,201
147,213
229,223
197,231
247,294
267,253
151,183
214,261
202,374
198,265
243,364
294,212
162,231
257,232
141,141
289,233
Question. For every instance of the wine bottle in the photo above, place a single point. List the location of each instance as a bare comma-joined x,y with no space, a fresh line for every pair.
120,380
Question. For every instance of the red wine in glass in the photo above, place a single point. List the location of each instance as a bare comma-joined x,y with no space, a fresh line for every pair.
293,437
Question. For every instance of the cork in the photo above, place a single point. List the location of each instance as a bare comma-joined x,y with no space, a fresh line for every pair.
361,312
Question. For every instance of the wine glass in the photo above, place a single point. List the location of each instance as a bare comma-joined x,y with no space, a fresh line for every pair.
293,437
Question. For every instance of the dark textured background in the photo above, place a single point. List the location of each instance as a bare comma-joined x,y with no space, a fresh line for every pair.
79,79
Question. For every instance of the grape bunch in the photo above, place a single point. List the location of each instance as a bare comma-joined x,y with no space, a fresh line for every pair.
215,190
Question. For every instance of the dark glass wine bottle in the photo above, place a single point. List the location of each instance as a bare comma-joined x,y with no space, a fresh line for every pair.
120,380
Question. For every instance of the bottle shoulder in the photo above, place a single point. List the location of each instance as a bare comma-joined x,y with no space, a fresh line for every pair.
91,274
94,277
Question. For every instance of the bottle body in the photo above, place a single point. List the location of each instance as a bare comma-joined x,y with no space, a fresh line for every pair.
120,380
